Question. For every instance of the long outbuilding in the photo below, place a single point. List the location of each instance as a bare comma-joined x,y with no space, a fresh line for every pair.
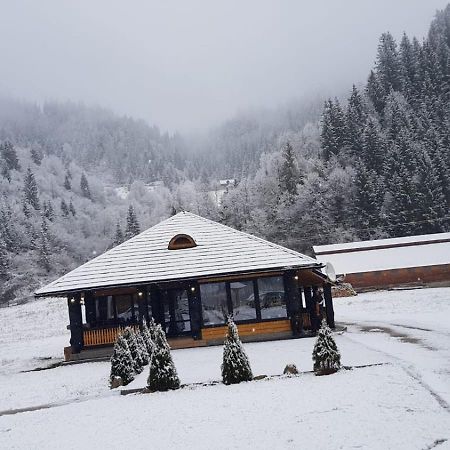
189,274
422,260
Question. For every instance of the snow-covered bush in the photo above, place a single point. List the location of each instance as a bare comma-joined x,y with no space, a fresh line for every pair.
147,333
121,362
326,356
163,374
235,366
145,358
135,349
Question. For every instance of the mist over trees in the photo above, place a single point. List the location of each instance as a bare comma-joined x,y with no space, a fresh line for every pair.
77,180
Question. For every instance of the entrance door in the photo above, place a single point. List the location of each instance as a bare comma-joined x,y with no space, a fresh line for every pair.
177,320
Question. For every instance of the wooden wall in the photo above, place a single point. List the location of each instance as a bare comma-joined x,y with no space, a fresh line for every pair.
400,277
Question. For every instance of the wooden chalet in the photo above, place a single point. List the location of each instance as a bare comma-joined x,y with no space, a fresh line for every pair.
189,274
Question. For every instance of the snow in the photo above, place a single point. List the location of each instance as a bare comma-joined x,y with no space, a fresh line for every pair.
366,257
146,257
401,404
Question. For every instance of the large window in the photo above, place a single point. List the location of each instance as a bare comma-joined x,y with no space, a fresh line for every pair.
214,303
116,310
243,300
272,298
104,310
126,308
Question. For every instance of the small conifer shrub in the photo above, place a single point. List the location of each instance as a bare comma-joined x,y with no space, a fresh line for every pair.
326,356
147,338
235,366
121,362
163,374
135,349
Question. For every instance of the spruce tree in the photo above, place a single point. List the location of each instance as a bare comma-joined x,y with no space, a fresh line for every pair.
72,208
326,356
36,156
44,251
135,350
121,362
147,337
163,374
84,187
388,64
145,357
30,191
67,183
4,261
333,133
118,237
355,118
9,156
235,366
48,210
132,228
64,208
288,175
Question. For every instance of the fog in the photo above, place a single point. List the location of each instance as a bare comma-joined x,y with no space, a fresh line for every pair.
189,65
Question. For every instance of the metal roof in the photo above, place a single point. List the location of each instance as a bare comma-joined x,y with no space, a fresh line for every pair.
145,258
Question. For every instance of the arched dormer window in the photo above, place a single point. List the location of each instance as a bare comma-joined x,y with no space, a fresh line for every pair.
181,241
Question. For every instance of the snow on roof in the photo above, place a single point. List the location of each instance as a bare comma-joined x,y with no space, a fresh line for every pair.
146,258
386,254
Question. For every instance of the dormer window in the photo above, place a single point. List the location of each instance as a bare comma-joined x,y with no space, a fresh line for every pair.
180,241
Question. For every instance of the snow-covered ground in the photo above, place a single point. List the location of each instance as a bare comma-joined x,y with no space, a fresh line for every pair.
402,404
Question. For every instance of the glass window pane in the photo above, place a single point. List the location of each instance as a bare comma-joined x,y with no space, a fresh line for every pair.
243,299
272,297
124,309
104,309
214,303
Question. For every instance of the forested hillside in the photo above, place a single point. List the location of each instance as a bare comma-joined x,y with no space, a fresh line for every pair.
383,164
372,163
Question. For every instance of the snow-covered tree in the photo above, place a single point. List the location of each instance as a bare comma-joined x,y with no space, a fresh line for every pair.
84,187
43,247
64,208
30,191
135,349
72,208
145,357
163,374
326,356
132,228
118,236
67,183
235,366
147,337
121,361
36,155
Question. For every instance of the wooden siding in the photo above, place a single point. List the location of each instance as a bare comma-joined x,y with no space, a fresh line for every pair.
248,329
397,277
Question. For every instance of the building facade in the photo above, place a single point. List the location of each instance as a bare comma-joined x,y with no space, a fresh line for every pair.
189,274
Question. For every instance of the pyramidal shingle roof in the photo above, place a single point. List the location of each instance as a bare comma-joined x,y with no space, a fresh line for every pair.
145,258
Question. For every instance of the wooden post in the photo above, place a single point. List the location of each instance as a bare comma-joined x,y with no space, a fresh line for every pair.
156,303
310,307
195,310
142,305
293,301
76,322
329,305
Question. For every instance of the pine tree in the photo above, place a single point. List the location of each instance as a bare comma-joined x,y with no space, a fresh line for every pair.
355,119
235,366
135,350
84,186
4,261
9,156
30,191
44,247
145,357
48,210
67,184
326,356
163,374
118,237
121,362
72,208
333,133
375,92
388,64
289,176
64,208
372,147
36,156
132,228
147,337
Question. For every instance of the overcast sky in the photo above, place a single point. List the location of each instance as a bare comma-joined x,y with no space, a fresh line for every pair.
189,64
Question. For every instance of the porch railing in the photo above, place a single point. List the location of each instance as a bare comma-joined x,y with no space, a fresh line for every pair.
102,336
